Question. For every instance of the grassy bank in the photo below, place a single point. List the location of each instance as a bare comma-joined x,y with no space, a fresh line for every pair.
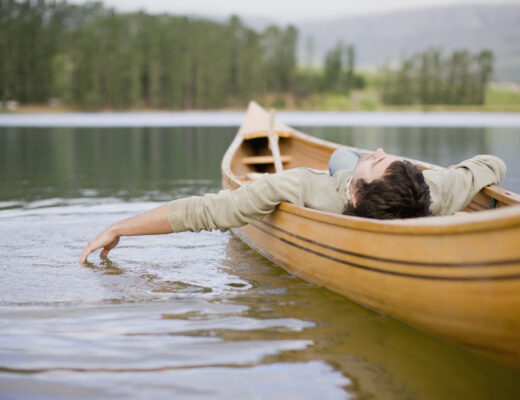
498,99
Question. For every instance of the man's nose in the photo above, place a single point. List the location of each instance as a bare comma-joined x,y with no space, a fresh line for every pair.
380,152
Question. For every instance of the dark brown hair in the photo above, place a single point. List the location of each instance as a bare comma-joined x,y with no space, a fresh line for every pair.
400,193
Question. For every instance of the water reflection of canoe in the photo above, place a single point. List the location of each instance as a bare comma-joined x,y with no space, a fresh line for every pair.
455,276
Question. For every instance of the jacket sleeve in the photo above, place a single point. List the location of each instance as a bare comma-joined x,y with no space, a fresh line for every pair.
452,189
228,209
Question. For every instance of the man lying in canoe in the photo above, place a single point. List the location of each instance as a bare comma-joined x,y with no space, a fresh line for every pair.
379,186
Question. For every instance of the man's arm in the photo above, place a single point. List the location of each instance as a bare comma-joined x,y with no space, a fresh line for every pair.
231,209
452,189
224,210
152,222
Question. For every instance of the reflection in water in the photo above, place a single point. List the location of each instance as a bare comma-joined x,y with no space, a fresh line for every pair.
194,315
383,357
126,163
151,162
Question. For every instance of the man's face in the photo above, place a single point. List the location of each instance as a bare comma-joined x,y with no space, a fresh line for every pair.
372,166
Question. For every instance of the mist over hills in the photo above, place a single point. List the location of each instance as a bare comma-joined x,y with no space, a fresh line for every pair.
389,36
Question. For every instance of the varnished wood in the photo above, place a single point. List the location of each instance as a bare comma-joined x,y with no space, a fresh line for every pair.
273,144
264,134
504,196
265,159
455,276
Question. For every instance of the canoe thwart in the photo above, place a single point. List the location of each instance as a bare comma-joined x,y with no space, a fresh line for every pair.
265,134
264,159
502,195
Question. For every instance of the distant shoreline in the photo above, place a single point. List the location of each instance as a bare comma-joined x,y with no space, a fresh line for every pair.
487,108
234,119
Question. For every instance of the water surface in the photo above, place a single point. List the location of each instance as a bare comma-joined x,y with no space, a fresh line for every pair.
197,315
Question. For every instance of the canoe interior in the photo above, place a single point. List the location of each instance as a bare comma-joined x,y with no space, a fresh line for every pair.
299,153
297,149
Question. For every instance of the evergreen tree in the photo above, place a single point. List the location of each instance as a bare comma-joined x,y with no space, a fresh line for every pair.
430,78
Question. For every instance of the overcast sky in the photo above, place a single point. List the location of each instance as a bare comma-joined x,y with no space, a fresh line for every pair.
281,10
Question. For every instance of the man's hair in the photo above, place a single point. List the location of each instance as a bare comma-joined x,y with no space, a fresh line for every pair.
400,193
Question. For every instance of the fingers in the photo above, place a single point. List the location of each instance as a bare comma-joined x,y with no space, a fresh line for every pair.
83,257
88,250
109,247
101,241
104,253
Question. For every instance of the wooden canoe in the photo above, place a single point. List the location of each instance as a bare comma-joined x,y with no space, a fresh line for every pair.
457,276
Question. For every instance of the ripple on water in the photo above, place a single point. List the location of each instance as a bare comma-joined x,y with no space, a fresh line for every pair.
195,315
158,305
76,207
40,261
141,336
304,380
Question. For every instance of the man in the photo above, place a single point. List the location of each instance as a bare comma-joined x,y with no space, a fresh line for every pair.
379,186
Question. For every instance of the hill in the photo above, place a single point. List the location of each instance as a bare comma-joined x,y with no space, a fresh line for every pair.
387,37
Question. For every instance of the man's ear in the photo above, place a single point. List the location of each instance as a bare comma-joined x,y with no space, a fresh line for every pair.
352,192
354,197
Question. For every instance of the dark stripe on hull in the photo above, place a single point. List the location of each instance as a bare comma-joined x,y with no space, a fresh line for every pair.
378,270
387,260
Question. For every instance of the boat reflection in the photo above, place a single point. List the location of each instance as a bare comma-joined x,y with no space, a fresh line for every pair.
383,357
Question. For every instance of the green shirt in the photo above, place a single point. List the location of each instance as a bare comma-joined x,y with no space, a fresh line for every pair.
451,190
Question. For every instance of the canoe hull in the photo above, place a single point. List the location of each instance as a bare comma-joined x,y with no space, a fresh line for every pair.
472,305
456,276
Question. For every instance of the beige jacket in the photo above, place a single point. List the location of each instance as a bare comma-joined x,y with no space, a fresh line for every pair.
450,189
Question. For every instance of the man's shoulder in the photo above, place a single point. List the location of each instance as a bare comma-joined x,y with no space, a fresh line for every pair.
477,165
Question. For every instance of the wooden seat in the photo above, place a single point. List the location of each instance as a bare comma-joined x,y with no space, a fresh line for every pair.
264,159
261,134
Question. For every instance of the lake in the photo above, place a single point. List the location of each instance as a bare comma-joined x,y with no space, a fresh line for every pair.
198,315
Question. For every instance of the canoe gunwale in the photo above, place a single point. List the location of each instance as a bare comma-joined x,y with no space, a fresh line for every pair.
440,225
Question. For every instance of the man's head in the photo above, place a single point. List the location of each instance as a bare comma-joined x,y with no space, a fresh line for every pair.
387,187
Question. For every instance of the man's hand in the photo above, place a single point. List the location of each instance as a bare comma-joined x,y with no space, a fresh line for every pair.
153,222
106,240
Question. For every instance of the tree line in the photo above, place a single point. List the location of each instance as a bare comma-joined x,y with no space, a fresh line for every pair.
92,57
430,77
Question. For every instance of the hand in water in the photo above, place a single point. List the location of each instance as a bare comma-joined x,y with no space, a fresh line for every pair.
106,240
